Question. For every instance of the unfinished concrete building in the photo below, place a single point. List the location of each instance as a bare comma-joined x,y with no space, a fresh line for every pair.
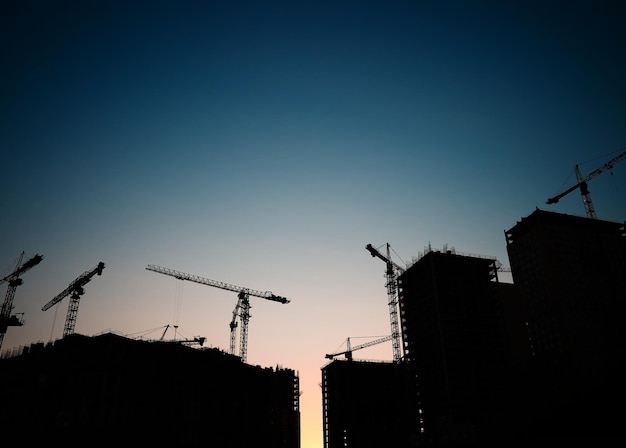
113,391
459,325
571,275
463,335
368,403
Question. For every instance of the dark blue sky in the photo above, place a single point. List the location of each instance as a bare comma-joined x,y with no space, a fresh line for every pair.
264,144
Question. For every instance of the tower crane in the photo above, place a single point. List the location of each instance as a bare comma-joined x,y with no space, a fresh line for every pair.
241,311
14,280
391,273
349,349
582,185
76,290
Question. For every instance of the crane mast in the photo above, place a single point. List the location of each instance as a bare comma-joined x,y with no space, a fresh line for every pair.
391,273
14,280
75,289
582,184
241,311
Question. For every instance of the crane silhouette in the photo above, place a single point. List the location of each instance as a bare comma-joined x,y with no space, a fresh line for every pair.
392,271
14,280
76,289
351,348
241,311
582,185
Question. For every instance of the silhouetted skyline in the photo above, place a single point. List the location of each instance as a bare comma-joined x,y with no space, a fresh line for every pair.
265,144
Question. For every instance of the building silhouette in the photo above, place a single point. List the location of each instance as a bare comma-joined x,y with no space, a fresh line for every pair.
571,274
463,339
488,363
115,391
460,326
368,404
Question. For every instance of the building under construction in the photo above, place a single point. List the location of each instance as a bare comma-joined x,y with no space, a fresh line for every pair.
463,335
487,362
110,390
368,403
459,328
571,275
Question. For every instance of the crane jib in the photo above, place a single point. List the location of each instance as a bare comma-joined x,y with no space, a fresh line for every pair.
205,281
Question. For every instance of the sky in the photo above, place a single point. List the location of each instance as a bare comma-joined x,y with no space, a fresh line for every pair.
265,144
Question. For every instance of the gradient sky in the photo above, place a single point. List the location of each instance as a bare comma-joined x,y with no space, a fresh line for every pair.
264,144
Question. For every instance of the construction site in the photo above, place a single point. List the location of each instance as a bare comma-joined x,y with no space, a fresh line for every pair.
123,391
474,360
150,392
479,362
